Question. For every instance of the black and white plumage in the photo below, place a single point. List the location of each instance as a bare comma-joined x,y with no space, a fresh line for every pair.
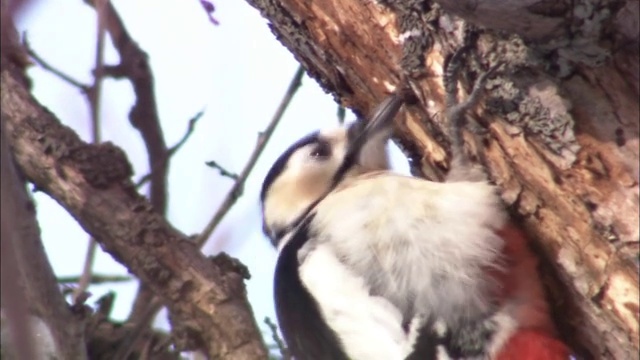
376,265
346,285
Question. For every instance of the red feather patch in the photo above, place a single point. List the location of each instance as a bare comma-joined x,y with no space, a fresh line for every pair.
533,345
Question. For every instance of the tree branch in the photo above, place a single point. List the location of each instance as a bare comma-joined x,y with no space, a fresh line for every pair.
144,113
24,261
282,348
144,117
28,281
52,69
93,183
263,139
95,279
174,149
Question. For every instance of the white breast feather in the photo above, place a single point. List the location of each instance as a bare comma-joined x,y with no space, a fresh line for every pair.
369,327
432,241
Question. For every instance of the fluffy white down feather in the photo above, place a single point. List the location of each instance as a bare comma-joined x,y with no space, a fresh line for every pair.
369,327
422,245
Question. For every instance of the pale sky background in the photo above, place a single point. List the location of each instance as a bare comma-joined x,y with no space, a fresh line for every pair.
237,72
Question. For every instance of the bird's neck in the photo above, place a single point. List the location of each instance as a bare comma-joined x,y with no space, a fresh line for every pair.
281,216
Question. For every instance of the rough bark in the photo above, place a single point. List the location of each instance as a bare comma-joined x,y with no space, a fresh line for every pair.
40,321
207,297
558,130
34,273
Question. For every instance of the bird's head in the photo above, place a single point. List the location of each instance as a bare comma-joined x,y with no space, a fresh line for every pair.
313,165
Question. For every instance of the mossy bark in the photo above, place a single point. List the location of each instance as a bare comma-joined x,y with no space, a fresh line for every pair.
557,131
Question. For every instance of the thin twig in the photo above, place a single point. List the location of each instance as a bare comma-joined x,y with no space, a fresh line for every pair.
93,95
45,65
95,279
187,134
98,71
277,339
85,277
223,172
263,139
174,149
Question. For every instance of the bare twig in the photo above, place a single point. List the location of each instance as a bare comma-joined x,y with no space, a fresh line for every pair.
85,277
223,172
187,134
95,279
98,71
174,149
45,65
263,139
104,304
277,339
93,95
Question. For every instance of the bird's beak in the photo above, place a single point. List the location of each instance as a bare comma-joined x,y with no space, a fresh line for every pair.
381,121
367,143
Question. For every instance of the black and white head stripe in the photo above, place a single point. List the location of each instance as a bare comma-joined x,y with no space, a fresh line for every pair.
281,162
354,131
357,134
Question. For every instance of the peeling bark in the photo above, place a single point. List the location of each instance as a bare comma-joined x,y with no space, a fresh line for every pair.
557,133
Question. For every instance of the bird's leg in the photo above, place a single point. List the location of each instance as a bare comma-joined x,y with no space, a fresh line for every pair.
460,166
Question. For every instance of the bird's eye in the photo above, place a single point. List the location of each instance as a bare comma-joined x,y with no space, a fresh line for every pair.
321,151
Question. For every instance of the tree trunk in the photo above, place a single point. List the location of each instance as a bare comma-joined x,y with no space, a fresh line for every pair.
557,132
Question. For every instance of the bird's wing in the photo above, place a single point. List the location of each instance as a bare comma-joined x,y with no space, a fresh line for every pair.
307,335
326,311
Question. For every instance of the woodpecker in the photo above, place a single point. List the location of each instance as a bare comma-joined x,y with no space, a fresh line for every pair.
377,265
